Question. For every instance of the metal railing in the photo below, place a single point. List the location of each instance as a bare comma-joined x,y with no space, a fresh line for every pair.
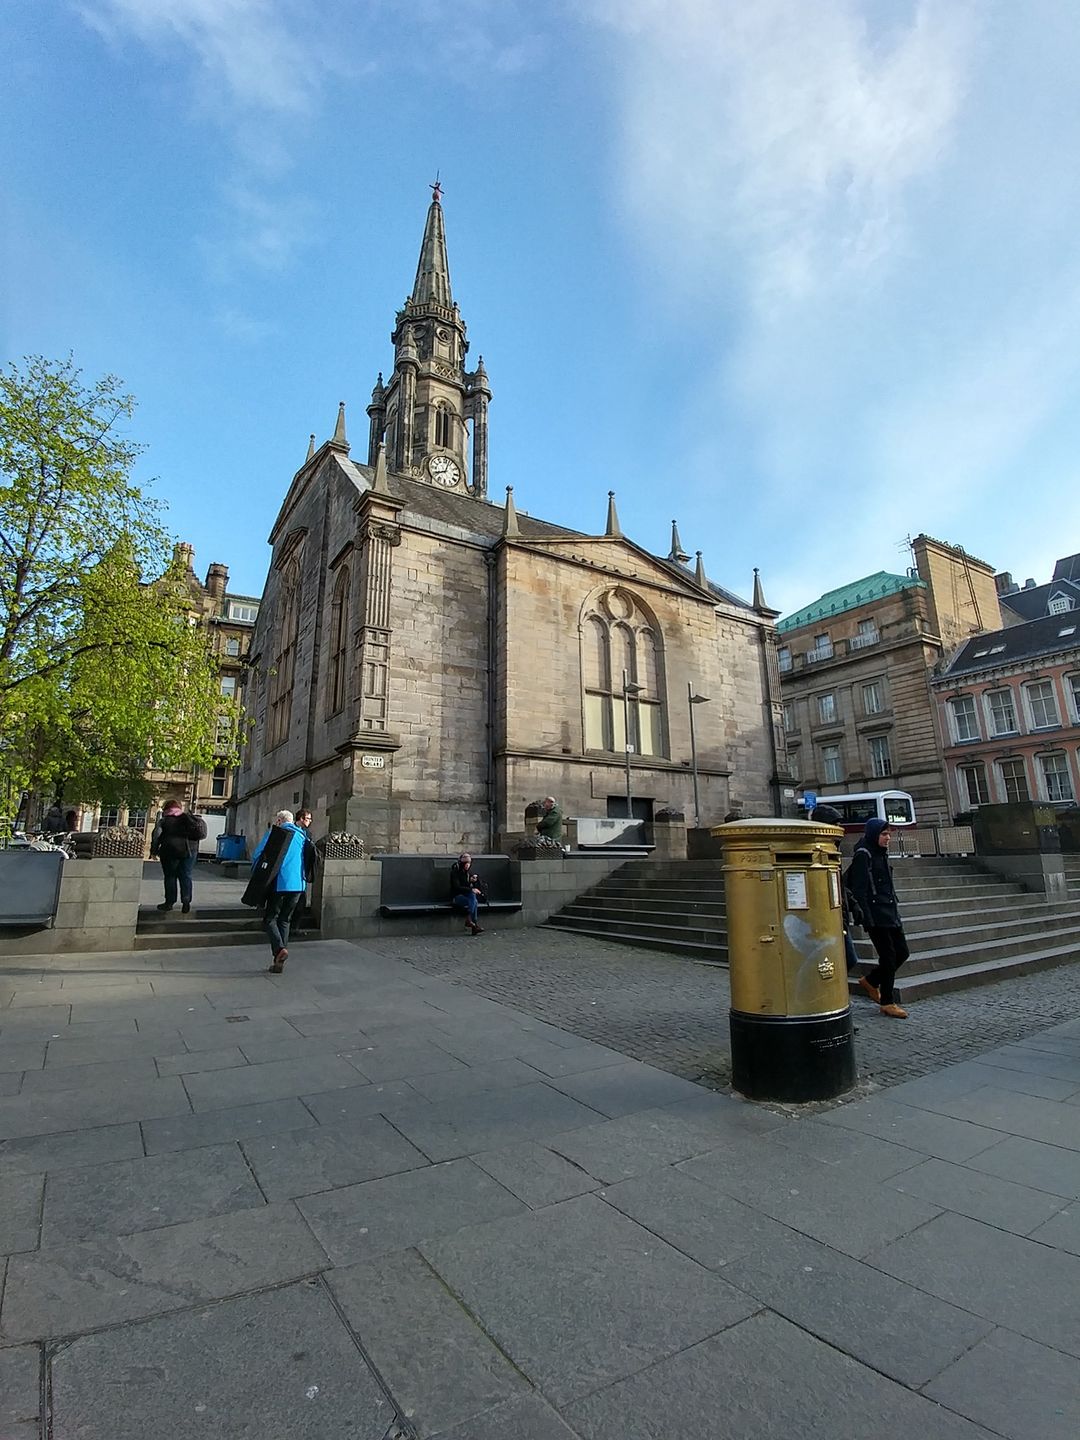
860,642
823,652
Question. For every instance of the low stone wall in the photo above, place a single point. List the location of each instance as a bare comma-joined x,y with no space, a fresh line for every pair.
346,895
98,909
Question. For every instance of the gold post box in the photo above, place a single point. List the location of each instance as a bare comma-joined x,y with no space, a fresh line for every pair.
791,1031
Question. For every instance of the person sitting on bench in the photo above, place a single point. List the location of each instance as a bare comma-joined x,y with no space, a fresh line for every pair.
465,891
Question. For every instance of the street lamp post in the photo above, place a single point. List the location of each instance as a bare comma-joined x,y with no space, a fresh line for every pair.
693,700
628,688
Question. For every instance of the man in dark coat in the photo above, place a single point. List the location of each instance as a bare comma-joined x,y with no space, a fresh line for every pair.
175,842
466,891
871,882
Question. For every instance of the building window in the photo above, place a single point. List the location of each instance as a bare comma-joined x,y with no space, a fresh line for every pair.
965,724
218,781
867,635
1055,773
618,638
1014,780
136,820
1059,605
791,723
1073,682
783,659
830,764
1002,712
110,815
872,700
973,789
244,613
281,680
223,740
232,645
793,763
1042,704
442,426
826,709
339,644
228,686
822,649
880,758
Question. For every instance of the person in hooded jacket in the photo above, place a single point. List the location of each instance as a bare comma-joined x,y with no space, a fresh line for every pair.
871,882
829,815
290,853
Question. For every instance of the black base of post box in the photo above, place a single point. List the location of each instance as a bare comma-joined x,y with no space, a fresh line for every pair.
793,1058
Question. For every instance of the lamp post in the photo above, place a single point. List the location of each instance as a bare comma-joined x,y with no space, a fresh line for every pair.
628,688
693,700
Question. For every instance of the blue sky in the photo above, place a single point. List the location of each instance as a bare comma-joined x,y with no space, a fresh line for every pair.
804,277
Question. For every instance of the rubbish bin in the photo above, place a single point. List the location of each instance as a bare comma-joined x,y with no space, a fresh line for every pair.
791,1032
231,848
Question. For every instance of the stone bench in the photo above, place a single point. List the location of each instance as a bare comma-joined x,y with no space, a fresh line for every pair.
420,884
29,888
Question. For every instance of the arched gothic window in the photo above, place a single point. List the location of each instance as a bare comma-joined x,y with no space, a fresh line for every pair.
281,681
339,644
622,676
443,423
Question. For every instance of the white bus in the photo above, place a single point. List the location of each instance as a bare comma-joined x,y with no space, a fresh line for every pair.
894,806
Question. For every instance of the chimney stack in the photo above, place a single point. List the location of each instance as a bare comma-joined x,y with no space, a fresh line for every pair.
217,579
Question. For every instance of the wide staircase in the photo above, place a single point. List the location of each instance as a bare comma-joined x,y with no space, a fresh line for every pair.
210,926
965,927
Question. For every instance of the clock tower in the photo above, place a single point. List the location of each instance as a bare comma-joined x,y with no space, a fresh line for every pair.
424,412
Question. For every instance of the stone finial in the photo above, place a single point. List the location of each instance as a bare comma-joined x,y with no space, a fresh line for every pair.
612,516
379,483
511,530
699,572
677,553
759,593
378,390
340,438
311,446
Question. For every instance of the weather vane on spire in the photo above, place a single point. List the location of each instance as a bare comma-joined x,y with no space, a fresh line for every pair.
436,189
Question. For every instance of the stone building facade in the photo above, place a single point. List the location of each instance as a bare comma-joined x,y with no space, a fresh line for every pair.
426,663
855,669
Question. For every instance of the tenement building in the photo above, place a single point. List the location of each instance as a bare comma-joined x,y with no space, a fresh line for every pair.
1009,701
426,662
855,669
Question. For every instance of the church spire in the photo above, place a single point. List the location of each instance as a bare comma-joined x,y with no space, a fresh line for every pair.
432,281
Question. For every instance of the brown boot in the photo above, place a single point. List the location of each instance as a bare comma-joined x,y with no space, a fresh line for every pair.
279,961
895,1012
868,989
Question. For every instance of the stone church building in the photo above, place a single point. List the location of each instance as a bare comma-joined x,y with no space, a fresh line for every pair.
426,663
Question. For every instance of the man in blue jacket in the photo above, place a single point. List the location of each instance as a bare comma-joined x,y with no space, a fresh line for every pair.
286,846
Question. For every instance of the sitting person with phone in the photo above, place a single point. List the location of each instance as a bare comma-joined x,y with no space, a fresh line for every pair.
466,892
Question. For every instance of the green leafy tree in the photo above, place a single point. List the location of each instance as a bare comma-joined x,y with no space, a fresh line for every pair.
102,670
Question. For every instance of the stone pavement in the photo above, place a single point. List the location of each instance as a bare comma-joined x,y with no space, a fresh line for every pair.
364,1199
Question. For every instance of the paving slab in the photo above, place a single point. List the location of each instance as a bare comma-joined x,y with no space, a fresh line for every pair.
213,1127
622,1089
77,1147
1031,1162
94,1105
16,1055
1011,1280
20,1211
108,1073
490,1120
578,1296
105,1281
1063,1231
1019,1389
199,1061
359,1222
329,1157
356,1102
274,1080
273,1365
982,1197
436,1361
20,1393
829,1204
892,1327
146,1193
535,1174
1055,1122
472,1079
864,1155
758,1380
100,1049
404,1060
1031,1060
915,1128
526,1419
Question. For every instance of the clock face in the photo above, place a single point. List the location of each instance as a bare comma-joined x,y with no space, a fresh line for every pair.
444,470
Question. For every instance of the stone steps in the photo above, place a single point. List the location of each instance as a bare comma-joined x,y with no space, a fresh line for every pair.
961,922
202,929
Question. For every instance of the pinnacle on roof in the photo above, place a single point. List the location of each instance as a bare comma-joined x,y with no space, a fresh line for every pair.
432,283
311,445
677,553
339,437
699,572
612,516
759,593
379,483
510,520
